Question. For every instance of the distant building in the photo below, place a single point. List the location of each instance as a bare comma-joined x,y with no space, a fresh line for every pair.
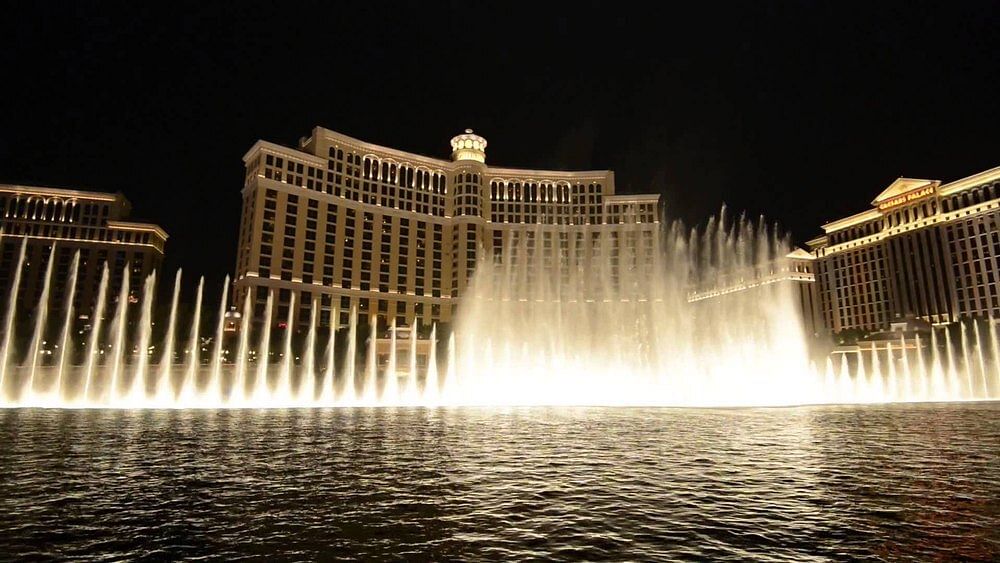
92,223
925,250
352,224
796,270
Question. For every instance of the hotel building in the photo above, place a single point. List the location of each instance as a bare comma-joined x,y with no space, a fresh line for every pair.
795,271
345,223
926,250
93,223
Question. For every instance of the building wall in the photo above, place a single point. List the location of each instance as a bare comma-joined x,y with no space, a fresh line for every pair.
803,274
854,289
974,243
91,223
347,223
919,276
930,251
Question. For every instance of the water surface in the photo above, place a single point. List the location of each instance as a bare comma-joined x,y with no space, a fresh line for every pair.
901,482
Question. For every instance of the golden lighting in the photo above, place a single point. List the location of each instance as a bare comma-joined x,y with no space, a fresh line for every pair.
907,198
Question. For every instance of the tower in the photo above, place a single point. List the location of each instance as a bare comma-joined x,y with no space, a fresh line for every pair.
468,146
468,150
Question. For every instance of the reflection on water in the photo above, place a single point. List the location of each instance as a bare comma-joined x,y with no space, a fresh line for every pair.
891,482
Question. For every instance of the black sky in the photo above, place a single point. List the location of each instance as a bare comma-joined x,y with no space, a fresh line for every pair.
802,111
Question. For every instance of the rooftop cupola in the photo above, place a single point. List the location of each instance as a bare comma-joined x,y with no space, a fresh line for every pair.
468,146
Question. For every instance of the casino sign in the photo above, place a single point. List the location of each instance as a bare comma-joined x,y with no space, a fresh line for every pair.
903,191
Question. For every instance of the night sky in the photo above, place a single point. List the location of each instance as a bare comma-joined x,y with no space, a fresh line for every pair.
800,111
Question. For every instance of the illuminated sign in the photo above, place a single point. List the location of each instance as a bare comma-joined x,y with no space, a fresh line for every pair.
906,198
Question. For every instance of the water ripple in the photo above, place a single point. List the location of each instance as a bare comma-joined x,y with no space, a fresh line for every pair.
904,482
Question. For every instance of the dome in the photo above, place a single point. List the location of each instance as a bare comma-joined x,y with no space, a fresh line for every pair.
468,146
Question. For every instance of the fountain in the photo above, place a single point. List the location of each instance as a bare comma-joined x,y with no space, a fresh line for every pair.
563,317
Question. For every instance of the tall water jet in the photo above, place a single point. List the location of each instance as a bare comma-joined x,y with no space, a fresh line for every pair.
411,392
189,388
369,393
41,312
953,383
893,383
283,392
450,387
328,387
845,384
391,392
995,348
137,393
938,388
967,363
432,387
8,332
164,384
237,393
922,368
907,391
861,387
980,360
261,391
94,350
350,387
830,377
214,392
877,386
65,339
307,382
118,324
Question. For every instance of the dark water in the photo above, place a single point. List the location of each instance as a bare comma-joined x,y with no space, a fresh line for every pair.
915,482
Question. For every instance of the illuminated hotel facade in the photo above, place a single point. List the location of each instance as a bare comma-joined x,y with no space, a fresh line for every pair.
92,223
347,224
925,249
